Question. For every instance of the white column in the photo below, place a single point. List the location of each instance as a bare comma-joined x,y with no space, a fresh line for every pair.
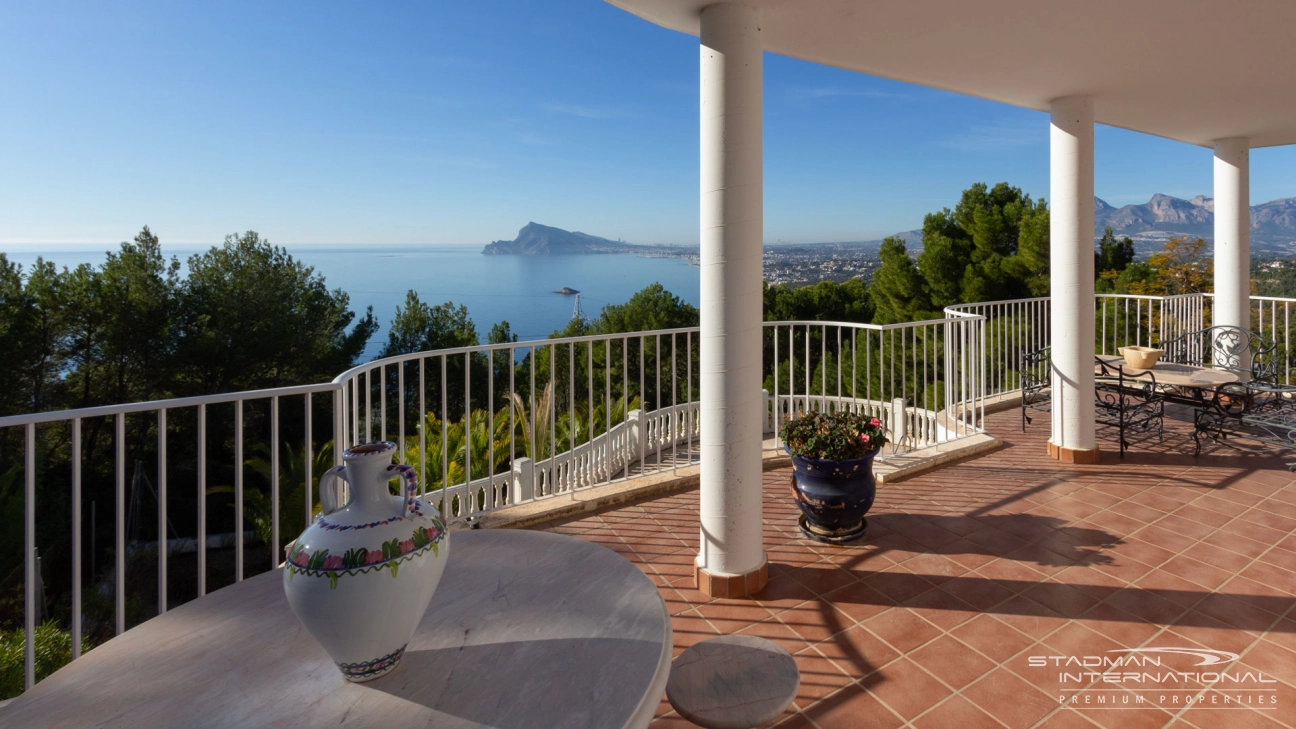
1071,236
731,240
1232,233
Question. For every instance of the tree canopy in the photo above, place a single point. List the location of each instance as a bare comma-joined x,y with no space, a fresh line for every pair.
247,316
993,245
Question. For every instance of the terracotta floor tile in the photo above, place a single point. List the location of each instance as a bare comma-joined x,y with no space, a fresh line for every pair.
951,661
773,630
956,711
897,584
979,592
995,639
1009,699
1064,718
905,688
1120,715
1212,633
901,629
1194,571
859,601
1209,717
819,677
1268,574
781,593
1061,598
1122,627
1172,587
857,651
823,577
814,620
1168,540
1029,617
690,629
852,708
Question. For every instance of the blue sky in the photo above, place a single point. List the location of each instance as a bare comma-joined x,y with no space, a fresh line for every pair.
456,123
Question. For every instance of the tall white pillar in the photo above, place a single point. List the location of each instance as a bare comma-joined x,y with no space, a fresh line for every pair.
731,557
1071,240
1232,233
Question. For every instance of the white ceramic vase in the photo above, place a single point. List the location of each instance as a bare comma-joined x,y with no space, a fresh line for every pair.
361,576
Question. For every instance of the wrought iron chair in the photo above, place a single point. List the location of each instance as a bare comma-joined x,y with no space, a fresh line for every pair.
1256,410
1229,348
1036,381
1127,402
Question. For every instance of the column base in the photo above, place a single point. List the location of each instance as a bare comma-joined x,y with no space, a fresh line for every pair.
731,586
1072,455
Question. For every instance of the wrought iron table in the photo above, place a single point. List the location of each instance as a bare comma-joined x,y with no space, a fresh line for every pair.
527,629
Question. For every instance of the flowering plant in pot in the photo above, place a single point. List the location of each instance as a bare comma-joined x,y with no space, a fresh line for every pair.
832,459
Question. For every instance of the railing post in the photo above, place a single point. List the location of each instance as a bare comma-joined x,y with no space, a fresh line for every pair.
523,481
899,422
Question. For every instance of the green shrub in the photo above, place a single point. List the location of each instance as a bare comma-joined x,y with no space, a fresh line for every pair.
53,651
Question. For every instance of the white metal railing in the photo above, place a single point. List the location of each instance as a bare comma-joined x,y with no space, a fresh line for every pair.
489,426
162,418
1014,328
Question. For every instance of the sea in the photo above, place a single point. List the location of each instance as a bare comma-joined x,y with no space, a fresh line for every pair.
519,289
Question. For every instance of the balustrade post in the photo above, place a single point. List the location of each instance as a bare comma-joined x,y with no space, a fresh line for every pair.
523,488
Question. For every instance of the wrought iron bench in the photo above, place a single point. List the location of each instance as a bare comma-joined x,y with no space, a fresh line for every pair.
1128,402
1237,350
1257,411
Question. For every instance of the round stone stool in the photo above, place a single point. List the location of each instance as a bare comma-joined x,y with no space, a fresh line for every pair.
732,682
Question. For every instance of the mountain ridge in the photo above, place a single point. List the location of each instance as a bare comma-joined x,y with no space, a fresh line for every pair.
535,239
1273,223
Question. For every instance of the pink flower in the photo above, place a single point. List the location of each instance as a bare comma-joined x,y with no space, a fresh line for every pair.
875,422
333,562
431,533
374,556
407,546
301,560
864,437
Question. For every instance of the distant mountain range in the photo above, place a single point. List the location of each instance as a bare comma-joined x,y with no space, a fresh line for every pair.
542,240
1273,224
1273,231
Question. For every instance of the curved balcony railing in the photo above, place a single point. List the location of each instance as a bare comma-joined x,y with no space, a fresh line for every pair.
201,492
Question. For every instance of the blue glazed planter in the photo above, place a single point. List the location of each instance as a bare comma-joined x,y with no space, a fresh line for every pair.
833,497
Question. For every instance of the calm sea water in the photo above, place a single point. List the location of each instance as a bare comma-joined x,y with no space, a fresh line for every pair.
494,288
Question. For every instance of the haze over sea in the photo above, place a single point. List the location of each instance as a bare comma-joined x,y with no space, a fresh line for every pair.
517,288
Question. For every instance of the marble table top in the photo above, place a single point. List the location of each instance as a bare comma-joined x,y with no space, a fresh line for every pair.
1178,375
527,629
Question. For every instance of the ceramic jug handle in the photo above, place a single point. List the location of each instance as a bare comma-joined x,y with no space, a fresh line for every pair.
329,495
409,480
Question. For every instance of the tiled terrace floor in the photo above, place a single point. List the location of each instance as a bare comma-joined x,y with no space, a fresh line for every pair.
970,570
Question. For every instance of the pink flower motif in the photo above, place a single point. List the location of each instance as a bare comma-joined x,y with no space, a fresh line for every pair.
374,556
301,560
875,422
431,533
864,437
407,546
333,562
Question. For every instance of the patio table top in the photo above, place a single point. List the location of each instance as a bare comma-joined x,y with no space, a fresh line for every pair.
525,630
1177,375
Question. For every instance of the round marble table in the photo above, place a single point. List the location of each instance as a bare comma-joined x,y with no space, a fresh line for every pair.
526,630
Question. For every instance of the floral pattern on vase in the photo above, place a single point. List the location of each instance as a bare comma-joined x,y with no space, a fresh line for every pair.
361,576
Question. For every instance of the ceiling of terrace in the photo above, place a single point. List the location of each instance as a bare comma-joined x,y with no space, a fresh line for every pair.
1189,70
